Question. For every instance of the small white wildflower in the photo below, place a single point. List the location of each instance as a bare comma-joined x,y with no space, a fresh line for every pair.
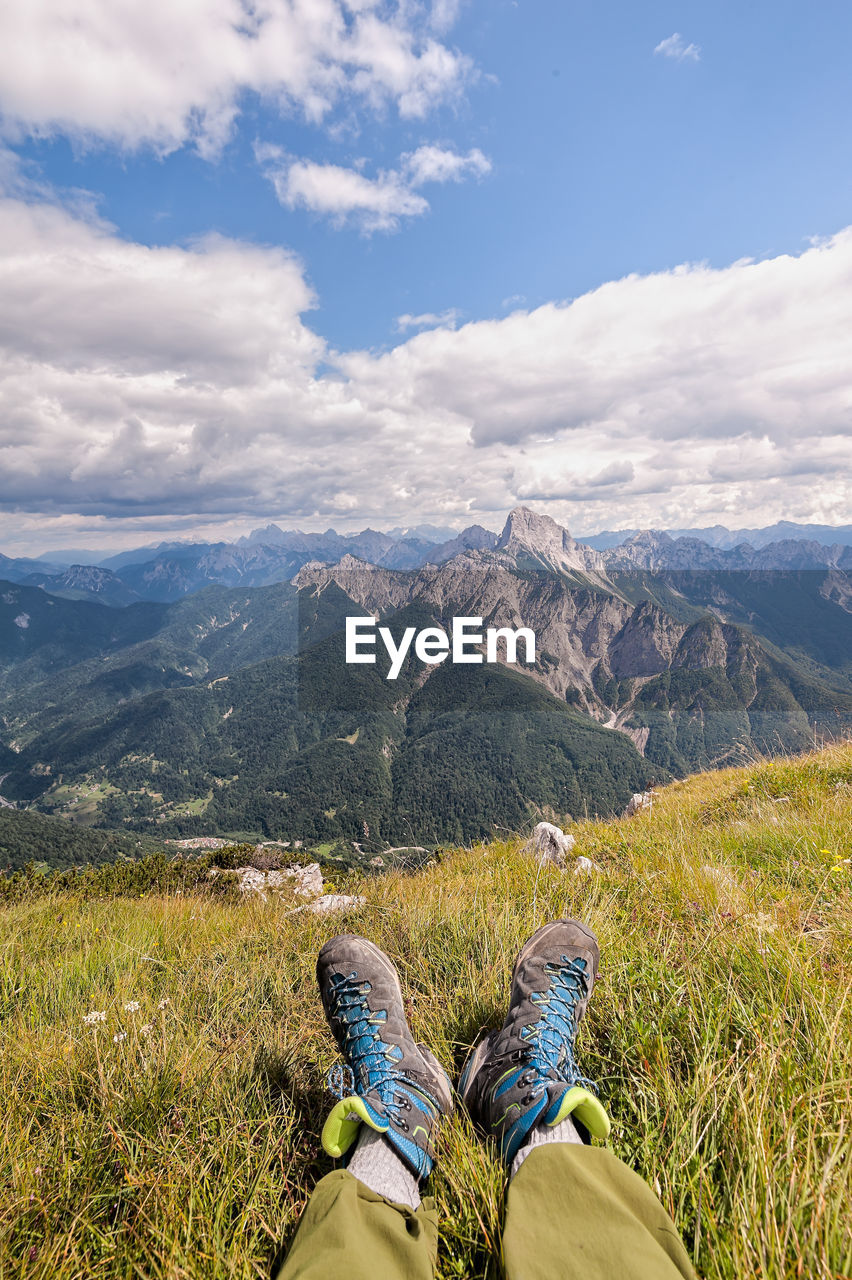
164,1003
119,1036
145,1029
95,1016
132,1006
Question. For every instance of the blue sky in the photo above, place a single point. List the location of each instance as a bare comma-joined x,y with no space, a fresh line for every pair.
551,149
606,160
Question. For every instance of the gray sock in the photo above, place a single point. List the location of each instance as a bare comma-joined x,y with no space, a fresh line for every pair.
541,1135
376,1164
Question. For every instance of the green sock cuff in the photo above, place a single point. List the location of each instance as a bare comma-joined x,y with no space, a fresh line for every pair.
588,1110
341,1128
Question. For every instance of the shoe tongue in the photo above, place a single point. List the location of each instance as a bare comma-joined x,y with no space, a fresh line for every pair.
556,1093
375,1110
532,978
516,1135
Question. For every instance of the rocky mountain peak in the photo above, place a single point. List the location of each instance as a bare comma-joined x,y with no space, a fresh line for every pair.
271,535
474,538
346,572
527,534
533,530
652,538
352,562
308,573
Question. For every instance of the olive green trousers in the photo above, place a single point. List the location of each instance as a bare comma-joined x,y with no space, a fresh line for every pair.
571,1211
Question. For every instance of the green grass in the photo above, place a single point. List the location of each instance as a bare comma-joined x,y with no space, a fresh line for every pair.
79,802
320,850
187,808
720,1034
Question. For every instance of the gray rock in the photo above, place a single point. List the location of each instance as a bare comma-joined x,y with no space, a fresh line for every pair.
641,800
549,844
308,880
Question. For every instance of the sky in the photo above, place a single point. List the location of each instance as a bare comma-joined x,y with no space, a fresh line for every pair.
354,262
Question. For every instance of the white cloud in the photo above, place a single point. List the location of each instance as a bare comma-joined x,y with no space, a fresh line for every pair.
444,14
438,164
164,73
340,194
157,387
375,204
674,46
428,319
126,369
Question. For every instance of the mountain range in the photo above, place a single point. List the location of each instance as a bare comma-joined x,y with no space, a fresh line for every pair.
718,535
230,708
171,570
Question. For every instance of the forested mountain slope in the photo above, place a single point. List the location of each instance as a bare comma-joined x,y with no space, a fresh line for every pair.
233,709
307,746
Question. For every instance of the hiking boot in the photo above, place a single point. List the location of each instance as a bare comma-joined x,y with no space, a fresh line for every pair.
389,1082
525,1074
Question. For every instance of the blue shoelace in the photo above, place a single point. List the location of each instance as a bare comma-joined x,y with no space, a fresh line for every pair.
369,1061
551,1039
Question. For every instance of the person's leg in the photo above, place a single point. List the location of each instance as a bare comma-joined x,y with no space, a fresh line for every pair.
349,1231
576,1210
572,1210
368,1221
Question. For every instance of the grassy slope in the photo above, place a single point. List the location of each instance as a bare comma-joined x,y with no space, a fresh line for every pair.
720,1032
